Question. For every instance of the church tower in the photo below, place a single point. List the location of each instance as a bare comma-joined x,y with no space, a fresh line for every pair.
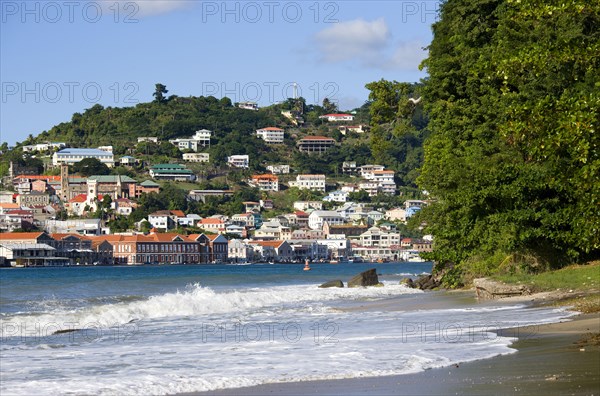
64,183
92,194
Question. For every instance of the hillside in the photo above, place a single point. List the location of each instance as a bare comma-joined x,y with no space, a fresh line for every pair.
233,133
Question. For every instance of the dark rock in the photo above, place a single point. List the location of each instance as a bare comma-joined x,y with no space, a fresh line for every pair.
427,282
490,289
366,278
333,283
408,282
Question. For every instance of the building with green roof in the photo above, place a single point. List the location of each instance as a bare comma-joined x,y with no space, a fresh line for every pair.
175,172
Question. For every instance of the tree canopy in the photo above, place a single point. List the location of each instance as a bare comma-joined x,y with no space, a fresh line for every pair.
513,159
90,166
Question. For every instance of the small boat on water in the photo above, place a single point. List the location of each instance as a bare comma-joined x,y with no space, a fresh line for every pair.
356,259
306,265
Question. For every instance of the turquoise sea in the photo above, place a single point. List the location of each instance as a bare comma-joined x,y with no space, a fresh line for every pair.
170,329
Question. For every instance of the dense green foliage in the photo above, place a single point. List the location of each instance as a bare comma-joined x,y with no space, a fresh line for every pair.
513,159
90,166
399,127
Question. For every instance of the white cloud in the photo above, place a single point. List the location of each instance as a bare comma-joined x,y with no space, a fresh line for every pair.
407,56
352,39
370,45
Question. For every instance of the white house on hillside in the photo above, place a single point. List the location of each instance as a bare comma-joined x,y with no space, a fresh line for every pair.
270,134
309,182
200,139
319,217
337,196
278,169
196,157
238,161
337,117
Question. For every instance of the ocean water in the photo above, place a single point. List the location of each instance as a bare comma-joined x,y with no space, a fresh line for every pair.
172,329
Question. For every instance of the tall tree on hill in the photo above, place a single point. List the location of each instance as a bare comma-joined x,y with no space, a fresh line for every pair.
513,159
329,107
159,93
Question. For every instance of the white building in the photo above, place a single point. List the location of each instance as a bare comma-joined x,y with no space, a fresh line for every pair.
196,157
375,236
306,205
123,206
381,176
238,161
271,134
239,251
371,188
248,105
189,220
377,175
309,182
278,169
79,226
375,215
337,196
265,182
318,217
353,128
337,247
366,171
396,214
163,219
127,160
6,196
150,139
43,147
337,117
200,139
72,156
387,187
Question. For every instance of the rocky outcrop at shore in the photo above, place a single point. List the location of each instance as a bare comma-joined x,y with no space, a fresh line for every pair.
333,283
408,282
490,289
366,278
424,282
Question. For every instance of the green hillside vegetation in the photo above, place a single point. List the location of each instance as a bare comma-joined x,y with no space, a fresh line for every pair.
514,153
233,133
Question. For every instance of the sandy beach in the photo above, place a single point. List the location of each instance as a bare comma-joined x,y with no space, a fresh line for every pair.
549,359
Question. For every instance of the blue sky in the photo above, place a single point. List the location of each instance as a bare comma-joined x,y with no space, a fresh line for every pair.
61,57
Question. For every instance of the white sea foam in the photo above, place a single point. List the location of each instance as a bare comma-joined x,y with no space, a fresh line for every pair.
193,302
199,339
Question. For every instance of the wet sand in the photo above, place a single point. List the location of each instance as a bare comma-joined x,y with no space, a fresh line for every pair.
548,360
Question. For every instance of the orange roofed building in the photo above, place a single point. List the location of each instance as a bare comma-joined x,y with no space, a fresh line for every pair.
212,225
266,182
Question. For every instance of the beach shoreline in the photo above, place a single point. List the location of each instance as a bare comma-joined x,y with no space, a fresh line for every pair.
549,359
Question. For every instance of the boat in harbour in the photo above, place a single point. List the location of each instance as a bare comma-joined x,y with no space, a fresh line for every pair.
306,265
